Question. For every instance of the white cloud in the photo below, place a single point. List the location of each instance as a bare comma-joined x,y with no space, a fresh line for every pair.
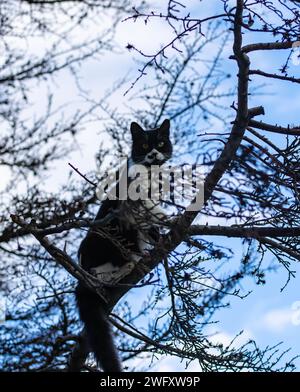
277,320
162,363
225,338
173,364
221,338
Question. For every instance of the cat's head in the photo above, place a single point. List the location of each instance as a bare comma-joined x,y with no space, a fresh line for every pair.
151,147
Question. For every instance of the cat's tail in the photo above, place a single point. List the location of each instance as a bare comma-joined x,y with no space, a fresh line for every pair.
92,313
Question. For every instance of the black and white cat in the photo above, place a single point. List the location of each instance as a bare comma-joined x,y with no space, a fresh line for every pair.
126,238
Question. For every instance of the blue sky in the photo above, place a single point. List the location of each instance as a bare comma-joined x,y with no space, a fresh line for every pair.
267,314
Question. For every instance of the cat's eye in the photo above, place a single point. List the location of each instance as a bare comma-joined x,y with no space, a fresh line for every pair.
161,144
145,146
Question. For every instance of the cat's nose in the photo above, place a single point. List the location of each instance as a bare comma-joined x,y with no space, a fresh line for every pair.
152,155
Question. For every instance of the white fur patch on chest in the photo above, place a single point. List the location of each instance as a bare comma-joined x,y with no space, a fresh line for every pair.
145,209
144,243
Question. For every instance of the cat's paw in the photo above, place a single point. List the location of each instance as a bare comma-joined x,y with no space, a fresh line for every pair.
104,277
122,272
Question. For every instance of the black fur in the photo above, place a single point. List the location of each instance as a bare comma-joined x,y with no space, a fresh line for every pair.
96,250
152,139
92,313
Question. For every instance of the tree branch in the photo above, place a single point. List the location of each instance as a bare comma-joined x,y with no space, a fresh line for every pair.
244,232
64,259
268,46
275,128
274,76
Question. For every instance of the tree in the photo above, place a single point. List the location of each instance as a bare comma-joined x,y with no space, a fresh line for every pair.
250,179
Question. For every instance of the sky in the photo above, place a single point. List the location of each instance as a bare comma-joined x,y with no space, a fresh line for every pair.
267,315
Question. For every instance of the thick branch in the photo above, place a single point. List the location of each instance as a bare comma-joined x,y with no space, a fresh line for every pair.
63,259
49,226
268,46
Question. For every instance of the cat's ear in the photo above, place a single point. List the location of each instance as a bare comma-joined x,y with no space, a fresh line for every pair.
164,129
136,129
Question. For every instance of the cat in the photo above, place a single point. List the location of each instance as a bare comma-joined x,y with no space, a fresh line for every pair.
126,241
